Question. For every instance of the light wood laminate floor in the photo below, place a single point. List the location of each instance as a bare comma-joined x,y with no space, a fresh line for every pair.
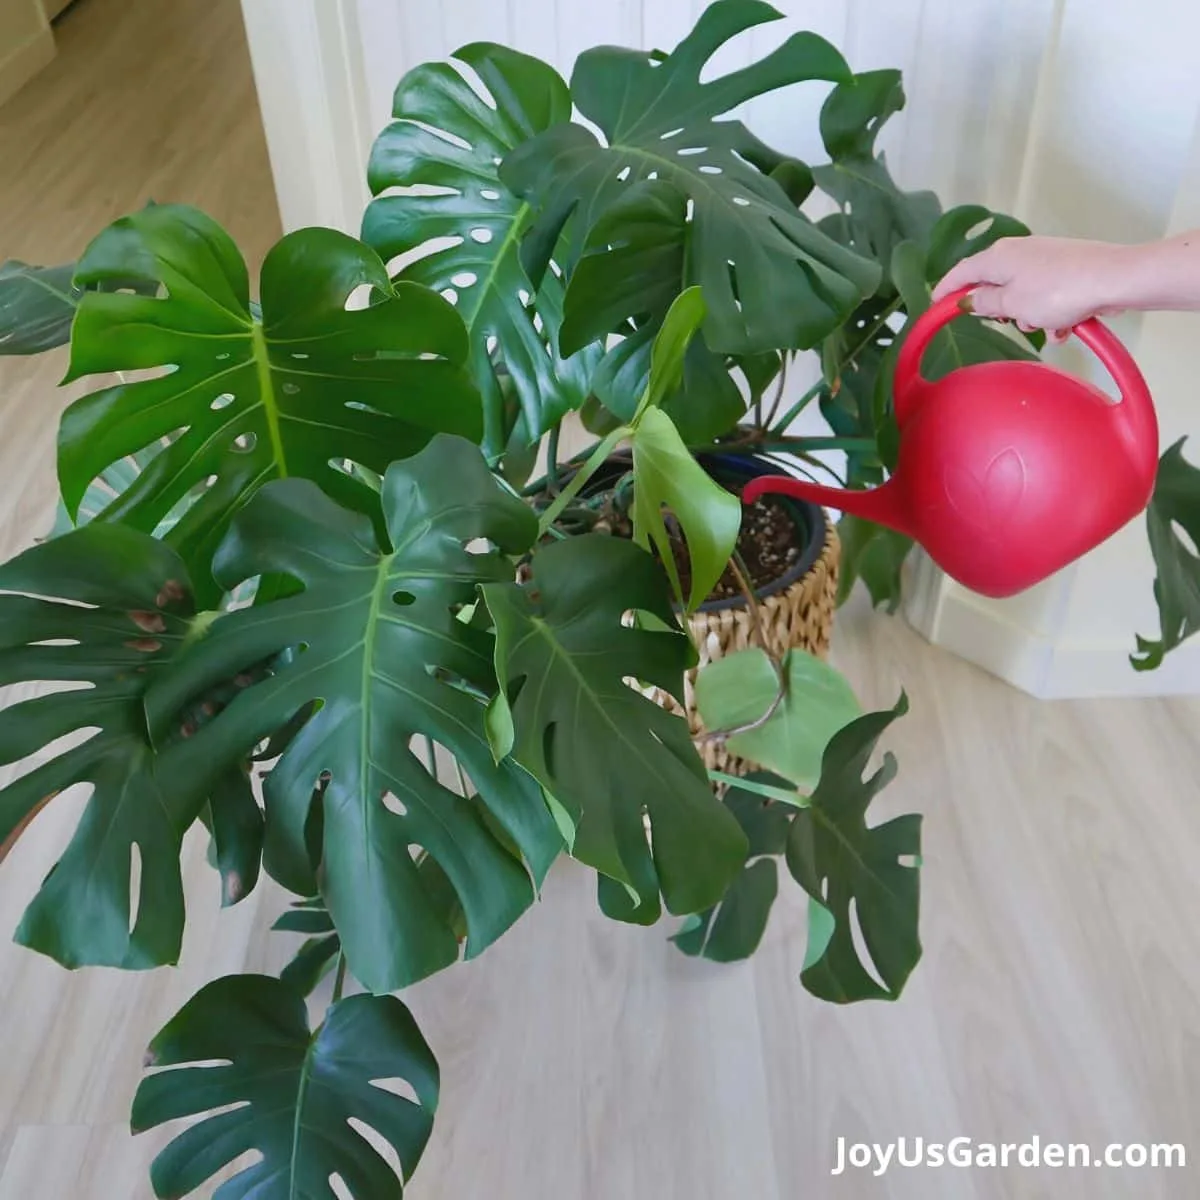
1060,990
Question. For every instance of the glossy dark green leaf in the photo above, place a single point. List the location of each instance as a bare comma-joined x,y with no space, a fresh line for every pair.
732,931
296,1095
110,608
964,231
853,871
448,138
237,833
305,920
876,215
1174,507
384,650
770,277
607,753
296,394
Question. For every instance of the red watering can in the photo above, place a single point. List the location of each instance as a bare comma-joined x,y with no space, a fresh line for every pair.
1006,471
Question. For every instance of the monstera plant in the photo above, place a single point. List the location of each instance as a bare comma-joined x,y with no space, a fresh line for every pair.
302,588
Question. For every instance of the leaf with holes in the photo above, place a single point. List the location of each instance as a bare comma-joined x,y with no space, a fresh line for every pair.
771,278
875,214
607,753
1174,513
732,930
38,304
297,393
627,276
852,870
305,1099
111,609
382,647
467,227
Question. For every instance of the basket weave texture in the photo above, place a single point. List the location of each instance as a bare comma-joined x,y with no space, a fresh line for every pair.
799,616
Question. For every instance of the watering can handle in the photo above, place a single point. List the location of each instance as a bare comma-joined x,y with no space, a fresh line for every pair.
1135,414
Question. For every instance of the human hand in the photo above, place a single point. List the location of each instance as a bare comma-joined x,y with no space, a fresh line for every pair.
1040,282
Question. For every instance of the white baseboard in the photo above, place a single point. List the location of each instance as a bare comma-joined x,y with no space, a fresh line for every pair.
1046,667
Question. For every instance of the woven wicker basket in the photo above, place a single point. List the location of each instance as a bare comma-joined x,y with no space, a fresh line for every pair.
797,615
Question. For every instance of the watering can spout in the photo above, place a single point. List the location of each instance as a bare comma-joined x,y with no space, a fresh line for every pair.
879,504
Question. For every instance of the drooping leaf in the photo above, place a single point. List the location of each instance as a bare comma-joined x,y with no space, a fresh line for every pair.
739,688
666,475
607,753
876,215
770,277
237,832
1176,501
110,608
446,136
300,1097
385,653
732,931
853,871
294,394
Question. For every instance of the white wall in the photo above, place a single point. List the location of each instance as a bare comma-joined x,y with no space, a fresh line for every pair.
1080,116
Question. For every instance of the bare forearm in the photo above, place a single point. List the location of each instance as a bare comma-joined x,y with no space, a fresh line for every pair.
1158,276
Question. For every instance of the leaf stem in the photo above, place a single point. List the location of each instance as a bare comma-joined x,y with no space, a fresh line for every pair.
797,408
598,458
552,456
775,401
431,756
339,982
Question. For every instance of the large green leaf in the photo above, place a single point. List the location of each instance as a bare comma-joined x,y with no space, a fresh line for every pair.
297,393
733,929
874,554
771,278
738,690
605,752
855,872
384,651
303,1099
875,214
449,142
109,608
1176,502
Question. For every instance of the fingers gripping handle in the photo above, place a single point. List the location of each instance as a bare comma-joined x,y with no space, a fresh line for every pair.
1135,413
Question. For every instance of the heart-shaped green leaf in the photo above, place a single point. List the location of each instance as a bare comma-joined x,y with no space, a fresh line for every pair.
450,141
607,753
740,688
384,651
855,872
1176,501
771,278
295,394
303,1099
110,608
